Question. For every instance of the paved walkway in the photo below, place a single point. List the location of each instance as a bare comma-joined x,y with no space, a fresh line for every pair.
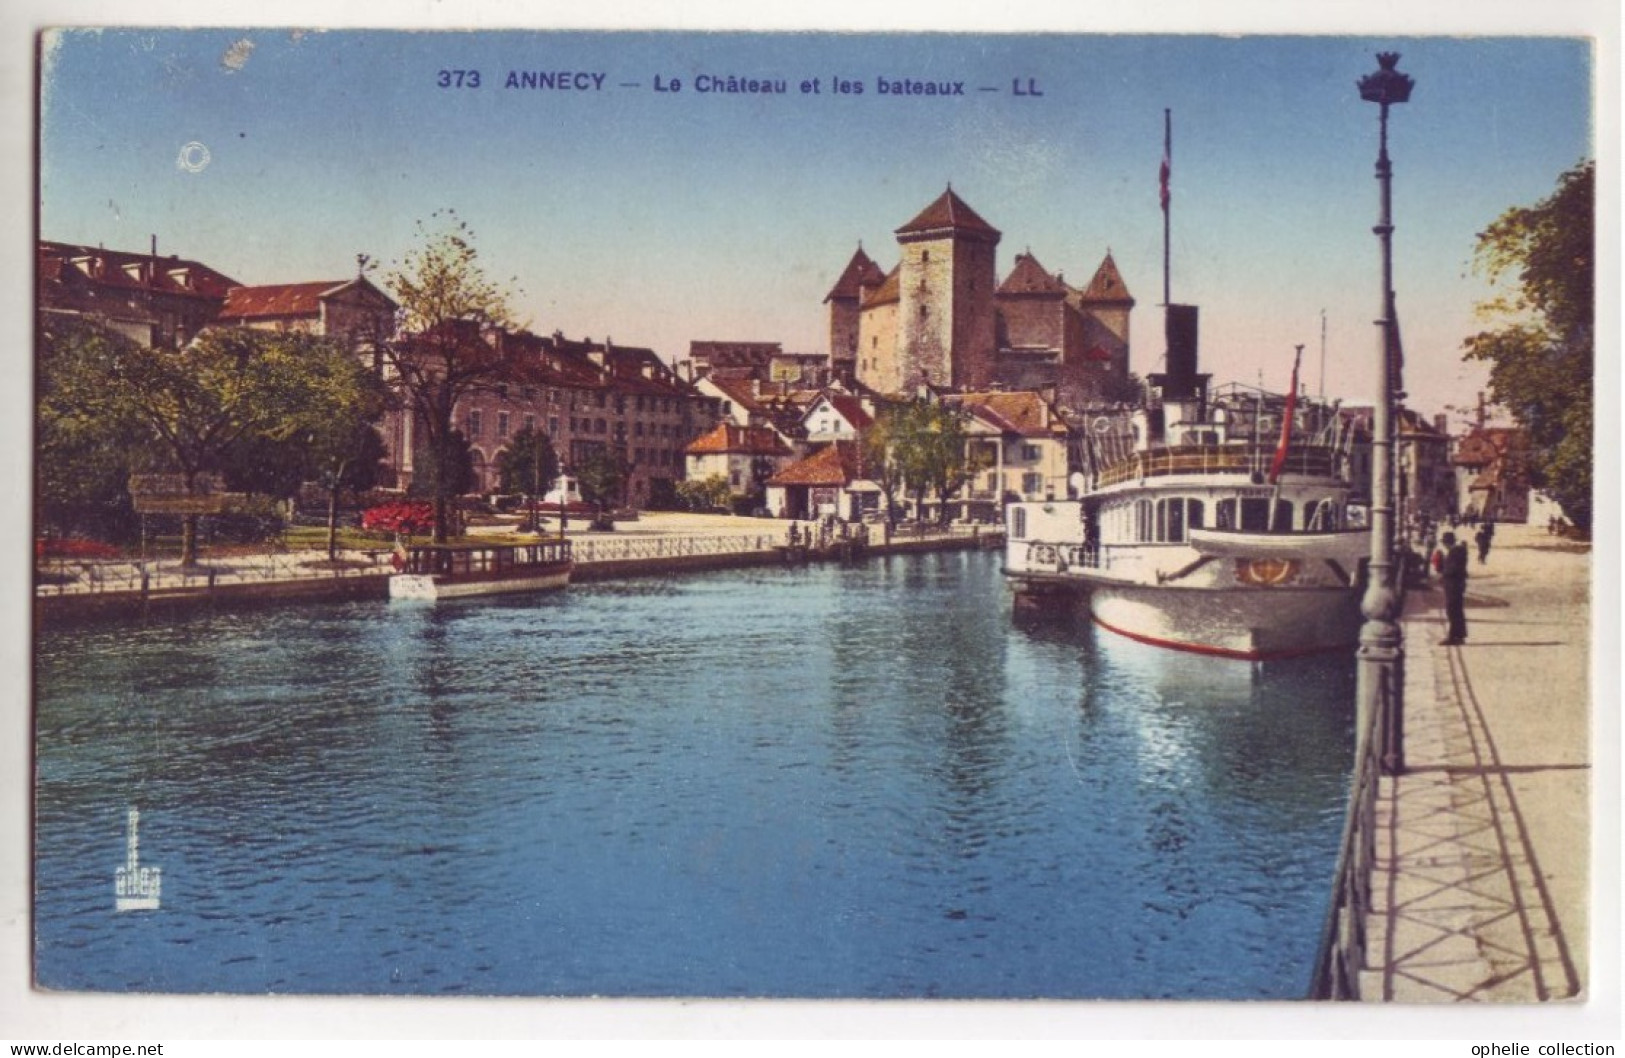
1482,882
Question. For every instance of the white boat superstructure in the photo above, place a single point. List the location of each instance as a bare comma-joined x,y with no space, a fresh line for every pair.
1206,524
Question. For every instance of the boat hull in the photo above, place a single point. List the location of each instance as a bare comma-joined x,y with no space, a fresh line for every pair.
1256,624
431,587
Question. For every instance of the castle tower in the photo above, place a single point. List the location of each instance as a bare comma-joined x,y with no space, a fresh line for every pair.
946,284
1106,305
845,300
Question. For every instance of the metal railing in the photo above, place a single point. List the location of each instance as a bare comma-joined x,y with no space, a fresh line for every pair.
631,548
1315,461
1343,943
60,577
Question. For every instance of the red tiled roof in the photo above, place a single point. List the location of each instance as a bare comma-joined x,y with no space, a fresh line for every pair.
728,439
1029,277
739,390
860,272
1107,286
279,300
1019,412
834,464
888,292
947,213
849,407
137,271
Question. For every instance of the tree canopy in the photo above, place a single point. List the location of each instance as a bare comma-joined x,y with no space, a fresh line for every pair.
187,410
453,317
1541,344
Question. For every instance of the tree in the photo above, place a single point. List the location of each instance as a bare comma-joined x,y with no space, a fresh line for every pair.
878,451
85,445
190,408
926,446
454,319
1541,259
600,476
529,465
705,494
442,469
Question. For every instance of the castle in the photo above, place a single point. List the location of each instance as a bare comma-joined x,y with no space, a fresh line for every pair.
941,318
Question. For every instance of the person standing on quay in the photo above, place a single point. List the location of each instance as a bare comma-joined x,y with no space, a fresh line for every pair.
1484,536
1453,572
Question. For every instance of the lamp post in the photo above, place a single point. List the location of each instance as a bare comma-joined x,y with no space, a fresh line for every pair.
1381,657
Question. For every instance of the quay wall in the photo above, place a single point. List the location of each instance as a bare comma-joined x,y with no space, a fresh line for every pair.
66,607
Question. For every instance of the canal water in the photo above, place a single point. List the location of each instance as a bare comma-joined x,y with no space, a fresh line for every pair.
860,781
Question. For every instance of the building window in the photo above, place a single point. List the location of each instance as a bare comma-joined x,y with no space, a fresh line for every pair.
1029,453
502,426
1018,523
553,425
530,423
474,425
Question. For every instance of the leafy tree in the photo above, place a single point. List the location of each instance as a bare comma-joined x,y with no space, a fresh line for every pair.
1541,352
190,408
601,477
927,446
705,494
453,318
442,470
529,464
85,445
878,450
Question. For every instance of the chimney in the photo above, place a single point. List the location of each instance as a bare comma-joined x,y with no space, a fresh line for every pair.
1441,422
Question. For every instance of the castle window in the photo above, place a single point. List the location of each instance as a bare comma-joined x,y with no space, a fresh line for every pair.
925,256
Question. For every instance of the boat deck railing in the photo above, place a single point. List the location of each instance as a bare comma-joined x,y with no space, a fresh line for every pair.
469,559
1308,460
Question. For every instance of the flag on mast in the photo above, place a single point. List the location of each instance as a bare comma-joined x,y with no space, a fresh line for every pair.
1162,177
1279,462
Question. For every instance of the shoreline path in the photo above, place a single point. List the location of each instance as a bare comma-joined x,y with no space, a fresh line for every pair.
1482,890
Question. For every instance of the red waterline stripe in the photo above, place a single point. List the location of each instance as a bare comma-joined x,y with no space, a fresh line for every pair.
1217,652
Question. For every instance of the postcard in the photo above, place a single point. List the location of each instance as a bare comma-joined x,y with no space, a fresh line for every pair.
672,515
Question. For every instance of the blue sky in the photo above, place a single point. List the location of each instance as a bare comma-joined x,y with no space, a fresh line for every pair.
661,217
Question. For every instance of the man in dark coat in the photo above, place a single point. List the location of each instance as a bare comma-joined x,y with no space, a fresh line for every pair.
1453,573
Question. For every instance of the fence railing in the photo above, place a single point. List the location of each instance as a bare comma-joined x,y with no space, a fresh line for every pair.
627,548
69,577
1345,934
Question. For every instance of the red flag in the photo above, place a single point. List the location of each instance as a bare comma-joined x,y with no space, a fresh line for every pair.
1279,461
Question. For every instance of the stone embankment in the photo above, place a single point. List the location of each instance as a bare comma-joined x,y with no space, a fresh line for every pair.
654,545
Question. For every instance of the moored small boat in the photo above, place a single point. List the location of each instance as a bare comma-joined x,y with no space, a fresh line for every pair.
450,571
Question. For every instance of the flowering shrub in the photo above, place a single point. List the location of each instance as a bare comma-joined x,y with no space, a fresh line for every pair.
402,516
74,547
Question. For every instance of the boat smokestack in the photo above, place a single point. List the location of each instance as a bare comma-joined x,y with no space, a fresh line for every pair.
1180,381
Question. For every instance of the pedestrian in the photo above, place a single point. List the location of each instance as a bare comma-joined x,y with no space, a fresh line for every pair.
1483,537
1453,573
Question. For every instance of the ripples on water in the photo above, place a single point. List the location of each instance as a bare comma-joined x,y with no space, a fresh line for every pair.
862,781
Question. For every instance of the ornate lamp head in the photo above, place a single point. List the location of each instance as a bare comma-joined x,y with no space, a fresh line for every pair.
1387,85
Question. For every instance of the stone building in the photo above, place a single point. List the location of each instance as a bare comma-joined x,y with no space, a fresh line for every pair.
941,317
157,301
352,310
589,398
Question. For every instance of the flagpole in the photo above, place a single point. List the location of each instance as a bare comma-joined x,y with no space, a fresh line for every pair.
1167,168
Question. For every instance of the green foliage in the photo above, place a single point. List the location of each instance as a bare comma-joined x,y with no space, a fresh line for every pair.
705,494
1542,349
918,447
442,469
234,400
84,447
601,477
450,311
529,464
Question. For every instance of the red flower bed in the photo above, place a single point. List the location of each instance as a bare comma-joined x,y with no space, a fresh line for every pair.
73,547
402,516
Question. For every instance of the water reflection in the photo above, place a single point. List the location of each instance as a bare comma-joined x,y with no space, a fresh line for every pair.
836,781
